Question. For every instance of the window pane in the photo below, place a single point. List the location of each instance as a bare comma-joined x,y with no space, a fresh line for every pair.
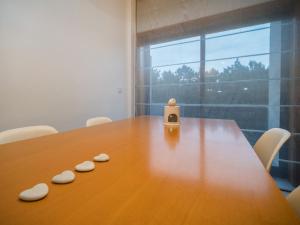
249,92
191,39
174,54
183,73
245,68
249,43
238,30
255,118
187,94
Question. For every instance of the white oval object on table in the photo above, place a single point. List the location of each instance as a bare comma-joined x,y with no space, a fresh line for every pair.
65,177
101,157
85,166
172,102
35,193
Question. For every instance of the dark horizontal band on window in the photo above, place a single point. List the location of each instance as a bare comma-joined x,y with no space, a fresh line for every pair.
218,105
219,82
289,161
262,131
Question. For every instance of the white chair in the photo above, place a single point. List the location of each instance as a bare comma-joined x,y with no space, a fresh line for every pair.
294,200
24,133
97,121
269,144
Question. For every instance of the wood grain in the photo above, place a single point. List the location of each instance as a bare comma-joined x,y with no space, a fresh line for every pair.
203,173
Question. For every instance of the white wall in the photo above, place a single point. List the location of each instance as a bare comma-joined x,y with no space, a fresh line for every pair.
63,61
152,14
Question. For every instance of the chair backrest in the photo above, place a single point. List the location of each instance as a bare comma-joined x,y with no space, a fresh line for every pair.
269,144
294,200
24,133
97,121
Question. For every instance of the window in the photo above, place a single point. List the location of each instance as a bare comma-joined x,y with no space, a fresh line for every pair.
244,74
225,74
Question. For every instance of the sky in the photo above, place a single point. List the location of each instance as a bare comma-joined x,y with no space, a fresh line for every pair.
231,43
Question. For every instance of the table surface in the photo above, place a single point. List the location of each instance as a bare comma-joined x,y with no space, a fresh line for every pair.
203,173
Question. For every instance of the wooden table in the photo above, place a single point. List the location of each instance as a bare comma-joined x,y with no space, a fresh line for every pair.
204,173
